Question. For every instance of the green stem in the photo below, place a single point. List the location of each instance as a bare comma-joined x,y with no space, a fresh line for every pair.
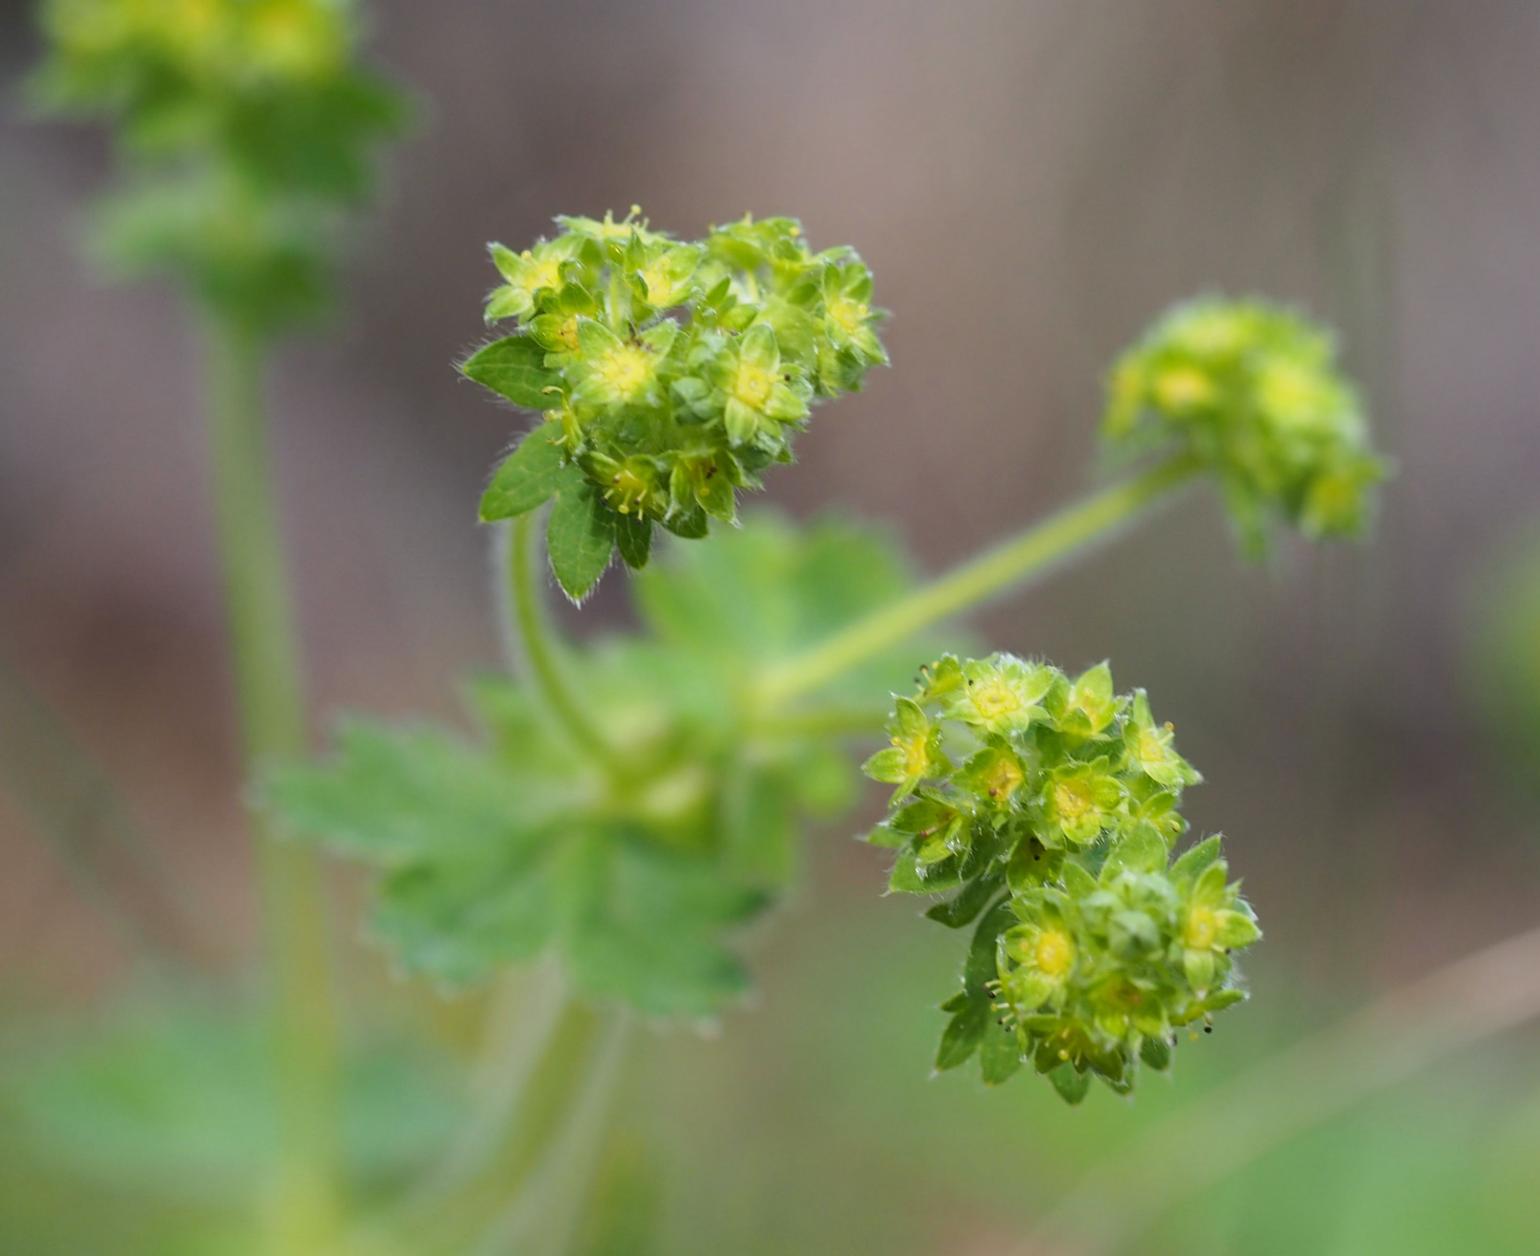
553,1089
265,656
544,1216
533,648
1024,556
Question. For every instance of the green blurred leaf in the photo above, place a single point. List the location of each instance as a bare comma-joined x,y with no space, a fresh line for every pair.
393,795
1071,1084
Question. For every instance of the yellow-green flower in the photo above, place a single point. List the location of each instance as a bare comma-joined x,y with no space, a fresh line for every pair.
1079,802
1000,694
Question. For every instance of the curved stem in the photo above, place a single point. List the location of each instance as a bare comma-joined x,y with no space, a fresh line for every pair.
1386,1043
544,1214
531,648
1023,557
552,1091
267,675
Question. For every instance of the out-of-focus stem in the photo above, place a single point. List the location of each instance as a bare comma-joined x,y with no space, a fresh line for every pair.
1012,563
531,646
306,1205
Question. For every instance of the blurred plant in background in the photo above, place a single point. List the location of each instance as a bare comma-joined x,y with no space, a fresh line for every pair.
245,129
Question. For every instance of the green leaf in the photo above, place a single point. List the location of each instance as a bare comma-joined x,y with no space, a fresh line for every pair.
911,875
961,1036
391,795
979,970
645,924
169,1094
460,920
514,368
967,904
526,477
633,538
1071,1084
580,538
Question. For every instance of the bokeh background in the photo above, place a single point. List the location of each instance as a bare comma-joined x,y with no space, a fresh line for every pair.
1030,182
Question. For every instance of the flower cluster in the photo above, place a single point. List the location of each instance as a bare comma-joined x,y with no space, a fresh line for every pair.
245,124
670,373
1253,392
1049,804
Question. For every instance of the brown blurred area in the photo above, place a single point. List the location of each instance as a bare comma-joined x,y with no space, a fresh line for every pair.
1030,182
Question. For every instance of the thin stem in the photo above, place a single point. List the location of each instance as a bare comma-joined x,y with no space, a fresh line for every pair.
1023,557
1388,1042
546,1213
552,1091
820,722
530,643
521,1019
266,664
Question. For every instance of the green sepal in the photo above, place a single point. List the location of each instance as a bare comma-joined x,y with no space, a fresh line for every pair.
691,525
1070,1082
999,1053
1141,850
527,477
1156,1052
1194,860
633,538
514,368
580,538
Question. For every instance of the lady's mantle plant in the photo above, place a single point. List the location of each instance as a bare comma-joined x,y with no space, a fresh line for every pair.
638,800
670,374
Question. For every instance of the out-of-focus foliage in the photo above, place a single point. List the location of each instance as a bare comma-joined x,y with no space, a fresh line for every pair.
170,1099
671,374
1253,391
493,849
1049,805
245,128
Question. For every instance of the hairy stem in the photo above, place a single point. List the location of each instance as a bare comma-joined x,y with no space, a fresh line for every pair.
1386,1043
531,647
1017,560
266,664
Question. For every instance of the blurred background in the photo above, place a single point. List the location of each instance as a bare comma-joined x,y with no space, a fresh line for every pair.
1030,183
